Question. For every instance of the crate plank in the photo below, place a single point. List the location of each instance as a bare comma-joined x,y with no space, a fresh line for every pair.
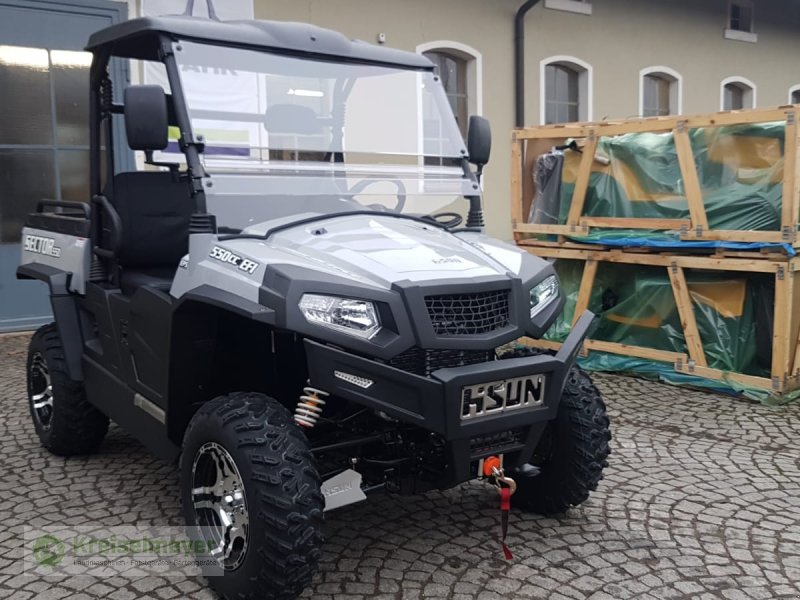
582,181
585,291
516,184
686,311
691,182
635,223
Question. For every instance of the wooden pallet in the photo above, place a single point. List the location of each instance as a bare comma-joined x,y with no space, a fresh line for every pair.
529,143
785,371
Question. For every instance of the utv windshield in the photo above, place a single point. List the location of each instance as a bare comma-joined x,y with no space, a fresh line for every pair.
268,103
276,125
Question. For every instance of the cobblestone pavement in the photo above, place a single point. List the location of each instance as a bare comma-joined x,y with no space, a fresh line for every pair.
701,500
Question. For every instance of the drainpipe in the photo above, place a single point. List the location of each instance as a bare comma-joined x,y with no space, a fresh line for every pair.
519,60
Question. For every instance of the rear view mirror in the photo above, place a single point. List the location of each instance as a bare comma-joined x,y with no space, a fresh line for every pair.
479,140
146,117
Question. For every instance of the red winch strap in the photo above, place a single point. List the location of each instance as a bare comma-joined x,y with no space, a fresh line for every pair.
505,507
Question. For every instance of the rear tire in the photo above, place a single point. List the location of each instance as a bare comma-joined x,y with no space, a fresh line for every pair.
64,420
573,450
269,473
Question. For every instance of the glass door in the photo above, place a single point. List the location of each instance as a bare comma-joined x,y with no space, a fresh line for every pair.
44,154
44,127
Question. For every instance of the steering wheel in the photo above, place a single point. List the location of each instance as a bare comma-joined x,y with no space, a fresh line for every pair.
401,191
454,219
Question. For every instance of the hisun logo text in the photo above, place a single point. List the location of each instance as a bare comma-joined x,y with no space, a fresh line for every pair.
42,245
338,489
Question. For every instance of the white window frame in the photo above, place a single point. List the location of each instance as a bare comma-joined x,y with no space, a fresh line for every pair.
581,7
675,87
585,85
792,90
737,34
474,61
750,97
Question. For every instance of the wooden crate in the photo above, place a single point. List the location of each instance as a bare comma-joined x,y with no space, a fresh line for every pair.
529,143
785,368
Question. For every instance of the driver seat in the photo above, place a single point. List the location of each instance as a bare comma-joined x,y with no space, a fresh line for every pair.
154,209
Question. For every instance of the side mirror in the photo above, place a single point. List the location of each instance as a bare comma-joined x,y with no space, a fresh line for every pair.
146,117
479,140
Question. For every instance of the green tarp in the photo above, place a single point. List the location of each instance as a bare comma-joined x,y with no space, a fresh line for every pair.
635,305
740,169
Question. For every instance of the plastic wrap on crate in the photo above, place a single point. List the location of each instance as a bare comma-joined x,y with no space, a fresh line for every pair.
635,305
740,169
638,239
547,183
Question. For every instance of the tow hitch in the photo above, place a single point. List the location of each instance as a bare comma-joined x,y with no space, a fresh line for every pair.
493,471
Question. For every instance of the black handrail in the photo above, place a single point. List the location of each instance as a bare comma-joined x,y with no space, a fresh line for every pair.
115,230
81,206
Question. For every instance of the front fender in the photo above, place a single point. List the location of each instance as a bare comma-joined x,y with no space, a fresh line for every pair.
207,294
65,311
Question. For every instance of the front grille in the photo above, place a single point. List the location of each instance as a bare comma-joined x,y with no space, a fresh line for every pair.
424,362
468,314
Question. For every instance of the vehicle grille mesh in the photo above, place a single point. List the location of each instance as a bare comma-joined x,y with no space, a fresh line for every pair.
424,362
468,314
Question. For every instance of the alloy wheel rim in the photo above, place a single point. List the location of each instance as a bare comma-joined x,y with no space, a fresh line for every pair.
40,391
220,505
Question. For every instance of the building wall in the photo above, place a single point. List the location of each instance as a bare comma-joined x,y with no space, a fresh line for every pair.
622,37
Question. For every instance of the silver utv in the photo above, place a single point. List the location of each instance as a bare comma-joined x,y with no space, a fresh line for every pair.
287,298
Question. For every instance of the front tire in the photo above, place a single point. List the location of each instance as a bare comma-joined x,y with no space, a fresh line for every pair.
572,452
63,418
244,455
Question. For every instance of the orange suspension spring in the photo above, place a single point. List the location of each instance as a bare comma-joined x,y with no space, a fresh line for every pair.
309,408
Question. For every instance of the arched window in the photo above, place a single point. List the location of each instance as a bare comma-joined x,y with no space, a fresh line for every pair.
459,67
562,100
566,90
794,94
660,92
737,93
656,95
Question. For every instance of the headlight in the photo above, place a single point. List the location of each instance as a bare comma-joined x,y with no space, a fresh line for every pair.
543,294
348,315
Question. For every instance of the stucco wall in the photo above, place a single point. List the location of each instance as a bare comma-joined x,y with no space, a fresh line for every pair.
621,37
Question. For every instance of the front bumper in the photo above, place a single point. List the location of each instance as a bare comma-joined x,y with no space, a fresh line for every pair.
437,403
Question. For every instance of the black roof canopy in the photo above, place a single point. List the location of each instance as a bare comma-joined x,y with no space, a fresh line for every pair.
139,38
